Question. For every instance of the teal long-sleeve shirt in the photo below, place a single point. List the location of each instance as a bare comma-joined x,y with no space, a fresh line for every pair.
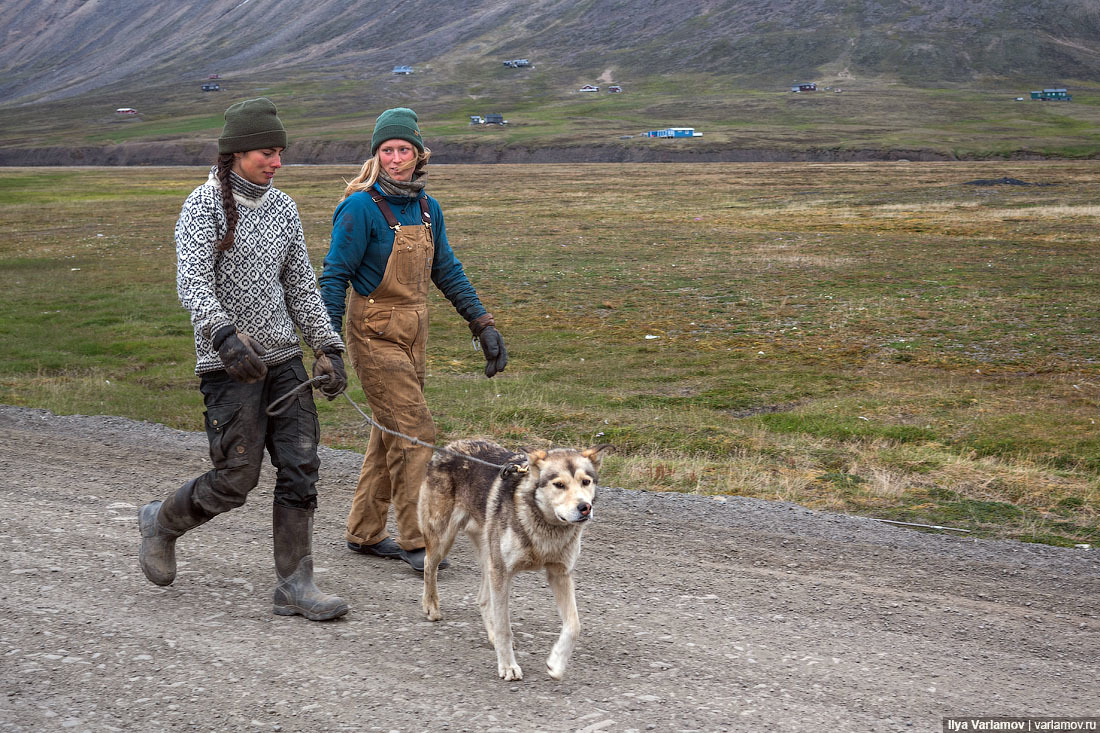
361,245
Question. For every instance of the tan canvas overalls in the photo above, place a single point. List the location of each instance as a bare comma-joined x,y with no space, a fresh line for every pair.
388,332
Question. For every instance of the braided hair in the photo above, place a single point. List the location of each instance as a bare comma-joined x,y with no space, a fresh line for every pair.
229,205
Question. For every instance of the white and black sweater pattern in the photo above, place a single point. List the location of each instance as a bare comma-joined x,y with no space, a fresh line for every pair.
263,284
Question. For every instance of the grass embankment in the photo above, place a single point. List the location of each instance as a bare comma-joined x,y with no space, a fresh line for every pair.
879,339
544,108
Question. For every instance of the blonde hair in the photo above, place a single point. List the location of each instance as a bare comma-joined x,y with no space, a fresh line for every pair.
368,174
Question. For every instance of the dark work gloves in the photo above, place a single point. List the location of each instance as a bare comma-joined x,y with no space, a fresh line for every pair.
496,356
240,354
329,363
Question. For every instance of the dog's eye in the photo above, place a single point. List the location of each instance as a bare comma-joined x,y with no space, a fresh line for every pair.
586,482
559,484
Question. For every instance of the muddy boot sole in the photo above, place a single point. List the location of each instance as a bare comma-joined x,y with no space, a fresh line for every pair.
324,614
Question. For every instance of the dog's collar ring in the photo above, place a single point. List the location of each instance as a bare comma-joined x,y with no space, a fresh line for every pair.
509,468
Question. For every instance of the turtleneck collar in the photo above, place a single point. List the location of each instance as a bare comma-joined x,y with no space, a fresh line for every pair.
248,189
245,192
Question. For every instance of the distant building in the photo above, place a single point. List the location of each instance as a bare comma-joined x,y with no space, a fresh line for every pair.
805,87
477,120
406,70
673,132
1052,95
517,63
127,111
588,88
495,118
211,88
614,89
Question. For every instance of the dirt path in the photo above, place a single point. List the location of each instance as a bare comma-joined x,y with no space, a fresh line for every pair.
696,615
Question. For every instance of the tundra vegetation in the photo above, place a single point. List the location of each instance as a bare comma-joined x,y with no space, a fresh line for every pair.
883,339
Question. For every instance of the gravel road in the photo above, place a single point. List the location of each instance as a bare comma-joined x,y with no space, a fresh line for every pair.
697,614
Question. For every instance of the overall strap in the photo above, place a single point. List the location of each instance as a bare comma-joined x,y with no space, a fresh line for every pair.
426,217
391,220
387,212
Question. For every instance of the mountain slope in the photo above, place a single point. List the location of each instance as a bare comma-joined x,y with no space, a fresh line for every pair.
52,49
930,79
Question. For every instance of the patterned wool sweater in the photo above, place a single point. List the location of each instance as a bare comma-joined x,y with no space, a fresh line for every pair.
263,284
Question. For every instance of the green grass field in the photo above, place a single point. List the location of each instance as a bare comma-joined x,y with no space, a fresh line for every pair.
880,339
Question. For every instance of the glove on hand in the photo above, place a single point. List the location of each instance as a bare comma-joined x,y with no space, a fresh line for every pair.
240,355
496,356
331,364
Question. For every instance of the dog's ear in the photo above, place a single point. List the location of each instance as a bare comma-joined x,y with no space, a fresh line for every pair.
594,454
534,457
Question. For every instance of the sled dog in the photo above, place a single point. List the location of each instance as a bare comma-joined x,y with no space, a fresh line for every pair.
528,515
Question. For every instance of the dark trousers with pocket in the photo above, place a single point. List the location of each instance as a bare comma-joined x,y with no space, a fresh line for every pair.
239,429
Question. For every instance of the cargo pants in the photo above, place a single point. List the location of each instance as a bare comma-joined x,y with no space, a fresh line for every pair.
239,429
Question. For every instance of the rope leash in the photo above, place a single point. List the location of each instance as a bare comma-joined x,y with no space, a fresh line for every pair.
274,409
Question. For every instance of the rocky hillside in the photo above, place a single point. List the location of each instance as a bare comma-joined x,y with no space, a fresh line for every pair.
53,49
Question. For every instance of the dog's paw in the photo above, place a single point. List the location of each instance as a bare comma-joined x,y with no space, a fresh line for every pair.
556,669
430,607
509,671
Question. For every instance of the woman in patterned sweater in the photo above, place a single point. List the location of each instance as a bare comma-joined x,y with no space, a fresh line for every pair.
244,274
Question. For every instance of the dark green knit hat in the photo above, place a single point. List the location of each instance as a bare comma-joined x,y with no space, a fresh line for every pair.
397,123
253,124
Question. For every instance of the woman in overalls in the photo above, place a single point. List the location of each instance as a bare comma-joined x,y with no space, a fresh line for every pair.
389,242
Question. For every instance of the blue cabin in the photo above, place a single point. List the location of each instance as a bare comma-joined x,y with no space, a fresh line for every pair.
403,70
673,132
1052,95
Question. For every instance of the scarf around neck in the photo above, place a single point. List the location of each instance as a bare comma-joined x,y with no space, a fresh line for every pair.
411,189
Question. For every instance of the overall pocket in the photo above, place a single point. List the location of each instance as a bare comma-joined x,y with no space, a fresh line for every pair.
375,322
413,261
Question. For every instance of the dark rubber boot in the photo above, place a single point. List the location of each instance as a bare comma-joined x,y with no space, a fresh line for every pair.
295,592
161,523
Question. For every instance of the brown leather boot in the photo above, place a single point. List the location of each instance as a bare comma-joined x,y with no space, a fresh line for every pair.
161,523
295,592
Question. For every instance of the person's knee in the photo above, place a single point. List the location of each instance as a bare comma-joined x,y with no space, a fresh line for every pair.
230,488
298,502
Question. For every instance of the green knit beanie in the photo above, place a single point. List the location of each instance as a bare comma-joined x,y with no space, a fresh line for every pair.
397,123
253,124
